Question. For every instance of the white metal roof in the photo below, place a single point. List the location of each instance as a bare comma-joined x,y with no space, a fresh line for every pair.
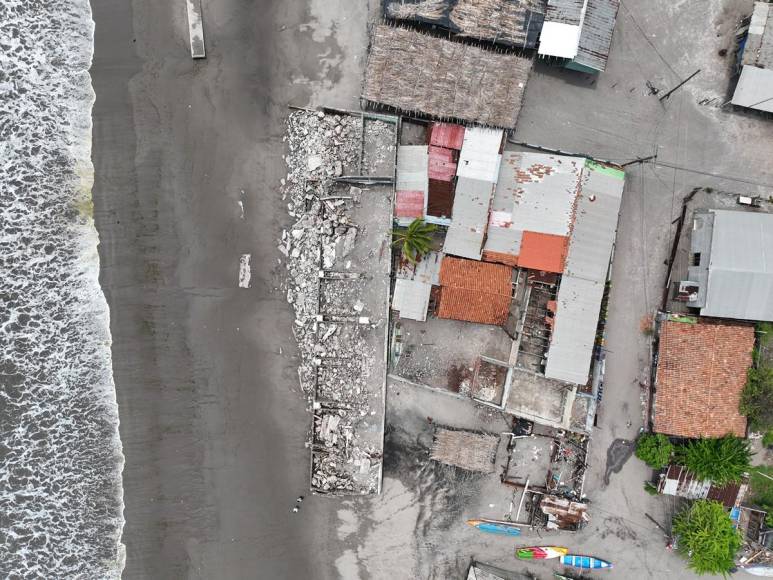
480,155
411,299
585,272
754,89
559,39
740,282
470,218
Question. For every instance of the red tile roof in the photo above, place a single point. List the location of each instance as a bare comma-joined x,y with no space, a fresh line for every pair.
701,374
474,291
409,204
501,257
544,252
446,135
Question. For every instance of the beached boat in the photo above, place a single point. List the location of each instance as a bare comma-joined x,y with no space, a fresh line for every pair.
585,562
496,527
540,552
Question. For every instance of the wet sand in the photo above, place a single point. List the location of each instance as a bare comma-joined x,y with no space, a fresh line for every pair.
212,423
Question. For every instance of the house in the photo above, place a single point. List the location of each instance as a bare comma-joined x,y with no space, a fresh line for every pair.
579,32
474,291
465,449
701,373
755,85
731,265
420,74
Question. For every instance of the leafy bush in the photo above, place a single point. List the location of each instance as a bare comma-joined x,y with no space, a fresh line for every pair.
707,537
757,398
650,488
762,490
722,460
654,450
767,439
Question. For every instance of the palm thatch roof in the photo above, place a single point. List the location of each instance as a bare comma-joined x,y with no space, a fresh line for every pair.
465,449
417,73
509,22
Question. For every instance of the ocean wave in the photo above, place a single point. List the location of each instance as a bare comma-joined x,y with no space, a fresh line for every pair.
61,500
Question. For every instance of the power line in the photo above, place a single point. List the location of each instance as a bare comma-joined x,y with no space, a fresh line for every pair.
711,174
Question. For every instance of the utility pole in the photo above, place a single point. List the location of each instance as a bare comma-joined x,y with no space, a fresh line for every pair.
669,93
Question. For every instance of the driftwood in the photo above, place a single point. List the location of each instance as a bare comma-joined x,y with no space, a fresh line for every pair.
419,73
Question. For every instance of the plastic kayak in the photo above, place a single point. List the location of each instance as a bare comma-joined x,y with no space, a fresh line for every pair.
585,562
540,552
496,527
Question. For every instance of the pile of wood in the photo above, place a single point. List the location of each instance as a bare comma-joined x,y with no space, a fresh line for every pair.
418,73
465,449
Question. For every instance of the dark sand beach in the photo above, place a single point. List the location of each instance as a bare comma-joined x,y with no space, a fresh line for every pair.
212,423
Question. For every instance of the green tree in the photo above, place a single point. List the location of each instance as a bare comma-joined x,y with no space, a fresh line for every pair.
415,240
757,398
722,460
706,537
654,449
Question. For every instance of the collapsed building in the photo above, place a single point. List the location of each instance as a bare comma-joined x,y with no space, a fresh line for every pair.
755,54
526,248
337,284
420,74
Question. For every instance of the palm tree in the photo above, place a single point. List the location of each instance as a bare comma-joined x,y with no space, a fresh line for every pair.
415,240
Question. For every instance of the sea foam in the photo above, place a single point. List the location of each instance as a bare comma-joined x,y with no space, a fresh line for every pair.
61,506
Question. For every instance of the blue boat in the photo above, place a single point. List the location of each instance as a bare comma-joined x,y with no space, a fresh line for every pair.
496,527
585,562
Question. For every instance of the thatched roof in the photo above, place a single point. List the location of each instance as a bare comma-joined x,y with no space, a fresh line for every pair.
465,449
509,22
422,74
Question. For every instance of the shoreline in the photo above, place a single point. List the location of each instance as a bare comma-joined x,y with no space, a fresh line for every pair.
212,420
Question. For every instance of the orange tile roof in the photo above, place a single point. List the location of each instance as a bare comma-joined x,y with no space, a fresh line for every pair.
544,252
474,291
701,374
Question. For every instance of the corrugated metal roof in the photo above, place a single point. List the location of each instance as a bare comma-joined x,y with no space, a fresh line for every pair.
596,36
470,217
440,203
427,270
740,283
411,299
442,166
582,284
758,49
564,11
754,89
412,177
480,156
535,192
543,252
446,135
559,39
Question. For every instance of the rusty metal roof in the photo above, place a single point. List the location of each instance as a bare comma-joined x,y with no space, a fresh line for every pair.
596,35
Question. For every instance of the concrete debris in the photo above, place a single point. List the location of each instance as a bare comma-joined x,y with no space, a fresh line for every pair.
334,362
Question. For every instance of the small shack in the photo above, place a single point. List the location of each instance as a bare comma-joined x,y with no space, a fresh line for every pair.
421,74
755,85
465,449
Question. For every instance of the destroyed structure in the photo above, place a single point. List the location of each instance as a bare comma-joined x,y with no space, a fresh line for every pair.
512,23
526,248
337,283
465,449
419,74
579,32
755,85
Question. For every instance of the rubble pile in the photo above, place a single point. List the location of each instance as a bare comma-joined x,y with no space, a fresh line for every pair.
324,285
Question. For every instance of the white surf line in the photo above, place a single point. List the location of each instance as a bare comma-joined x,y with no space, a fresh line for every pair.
196,29
244,271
